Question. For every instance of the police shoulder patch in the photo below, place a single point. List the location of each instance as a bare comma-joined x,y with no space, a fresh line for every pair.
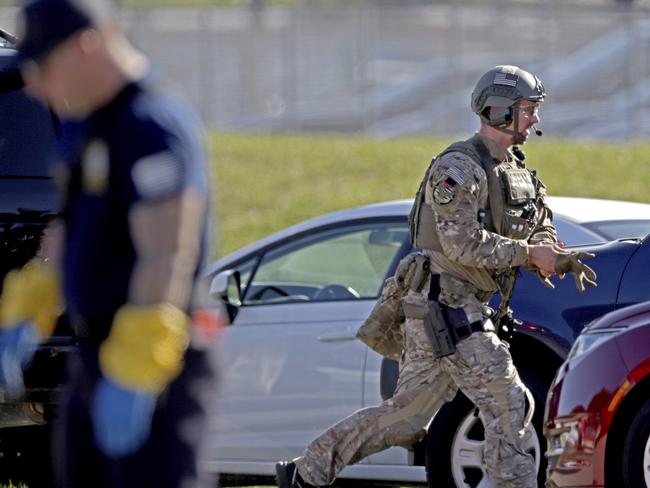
157,175
95,167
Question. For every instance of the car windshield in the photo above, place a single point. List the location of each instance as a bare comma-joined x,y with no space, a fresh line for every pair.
619,229
26,134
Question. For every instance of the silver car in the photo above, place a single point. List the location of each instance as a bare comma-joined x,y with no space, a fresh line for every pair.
292,364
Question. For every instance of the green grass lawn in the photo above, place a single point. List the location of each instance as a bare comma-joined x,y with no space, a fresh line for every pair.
267,182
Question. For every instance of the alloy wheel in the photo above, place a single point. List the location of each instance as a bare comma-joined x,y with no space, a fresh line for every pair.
467,453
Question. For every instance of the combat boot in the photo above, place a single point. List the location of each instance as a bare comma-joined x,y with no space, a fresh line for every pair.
288,476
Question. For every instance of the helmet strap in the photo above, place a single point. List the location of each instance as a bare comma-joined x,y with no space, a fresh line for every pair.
518,136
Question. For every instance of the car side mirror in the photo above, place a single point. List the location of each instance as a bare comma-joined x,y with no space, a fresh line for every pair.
226,286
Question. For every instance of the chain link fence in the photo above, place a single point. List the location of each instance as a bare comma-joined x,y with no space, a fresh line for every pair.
391,70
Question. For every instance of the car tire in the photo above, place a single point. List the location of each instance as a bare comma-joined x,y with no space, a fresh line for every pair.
456,436
635,462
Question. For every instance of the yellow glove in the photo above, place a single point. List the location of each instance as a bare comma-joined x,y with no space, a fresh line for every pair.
33,294
145,349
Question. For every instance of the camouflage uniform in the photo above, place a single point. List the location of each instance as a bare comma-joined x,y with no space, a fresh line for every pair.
422,388
481,366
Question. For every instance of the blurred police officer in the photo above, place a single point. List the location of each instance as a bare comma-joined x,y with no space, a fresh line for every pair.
130,245
478,216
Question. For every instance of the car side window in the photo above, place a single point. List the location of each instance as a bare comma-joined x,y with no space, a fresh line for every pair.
347,263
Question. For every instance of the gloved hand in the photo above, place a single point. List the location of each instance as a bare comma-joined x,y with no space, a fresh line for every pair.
572,263
143,353
32,294
17,347
121,418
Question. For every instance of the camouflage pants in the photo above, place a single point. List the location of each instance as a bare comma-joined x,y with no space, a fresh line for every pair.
481,367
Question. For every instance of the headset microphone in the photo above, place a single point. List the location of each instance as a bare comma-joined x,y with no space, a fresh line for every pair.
537,131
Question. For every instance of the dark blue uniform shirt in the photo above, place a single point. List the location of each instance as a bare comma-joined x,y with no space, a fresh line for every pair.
143,146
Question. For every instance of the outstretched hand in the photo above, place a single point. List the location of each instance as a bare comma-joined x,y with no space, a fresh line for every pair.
572,263
543,257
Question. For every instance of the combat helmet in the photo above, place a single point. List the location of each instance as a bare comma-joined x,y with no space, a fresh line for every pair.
498,93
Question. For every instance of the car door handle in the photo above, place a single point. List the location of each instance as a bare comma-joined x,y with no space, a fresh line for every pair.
342,336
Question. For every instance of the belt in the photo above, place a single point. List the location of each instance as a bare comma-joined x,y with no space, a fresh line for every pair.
467,330
456,318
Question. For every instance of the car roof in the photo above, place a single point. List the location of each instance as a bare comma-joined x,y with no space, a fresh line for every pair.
582,210
396,208
576,209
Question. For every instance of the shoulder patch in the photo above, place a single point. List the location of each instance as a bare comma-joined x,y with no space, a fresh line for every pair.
445,191
95,167
157,175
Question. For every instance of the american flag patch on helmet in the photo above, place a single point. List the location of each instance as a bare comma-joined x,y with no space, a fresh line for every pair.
507,79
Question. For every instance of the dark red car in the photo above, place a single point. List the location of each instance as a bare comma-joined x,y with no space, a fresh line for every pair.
597,420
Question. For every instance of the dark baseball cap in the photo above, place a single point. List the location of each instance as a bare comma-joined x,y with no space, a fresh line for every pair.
44,24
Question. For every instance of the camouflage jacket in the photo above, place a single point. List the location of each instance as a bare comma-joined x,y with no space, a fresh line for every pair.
457,191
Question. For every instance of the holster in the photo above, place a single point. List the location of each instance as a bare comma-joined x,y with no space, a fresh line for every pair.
443,325
440,334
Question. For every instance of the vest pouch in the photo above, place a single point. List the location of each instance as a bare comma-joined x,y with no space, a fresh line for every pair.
515,226
422,219
518,185
381,330
425,234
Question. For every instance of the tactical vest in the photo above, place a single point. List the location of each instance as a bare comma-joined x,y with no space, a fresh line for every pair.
512,194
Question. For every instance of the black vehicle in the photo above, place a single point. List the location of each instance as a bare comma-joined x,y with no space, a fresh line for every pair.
28,201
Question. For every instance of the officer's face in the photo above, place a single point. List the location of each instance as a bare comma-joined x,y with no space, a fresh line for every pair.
528,116
54,78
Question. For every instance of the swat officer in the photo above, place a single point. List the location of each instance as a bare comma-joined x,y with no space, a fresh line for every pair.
123,261
478,216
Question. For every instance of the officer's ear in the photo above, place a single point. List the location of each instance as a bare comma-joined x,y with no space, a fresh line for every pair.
89,40
499,116
508,115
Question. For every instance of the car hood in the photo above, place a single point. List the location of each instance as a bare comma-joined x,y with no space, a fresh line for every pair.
557,316
624,317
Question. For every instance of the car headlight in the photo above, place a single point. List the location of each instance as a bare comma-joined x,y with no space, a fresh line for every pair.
591,339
